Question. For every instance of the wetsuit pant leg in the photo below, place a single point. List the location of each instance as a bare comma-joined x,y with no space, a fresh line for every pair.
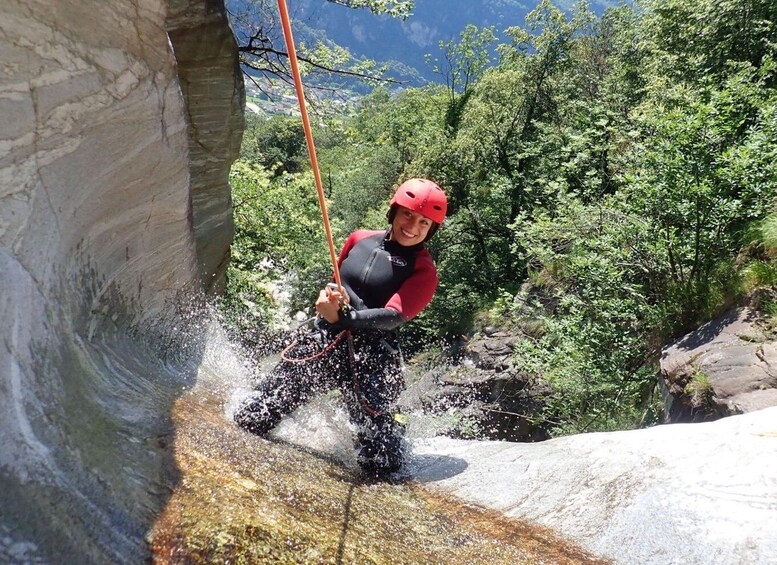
379,382
285,388
288,386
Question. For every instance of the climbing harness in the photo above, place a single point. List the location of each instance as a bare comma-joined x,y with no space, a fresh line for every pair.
352,360
285,355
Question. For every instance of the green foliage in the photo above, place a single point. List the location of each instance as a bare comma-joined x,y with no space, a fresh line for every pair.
759,274
279,246
593,346
699,181
612,184
700,390
700,39
769,234
276,143
758,259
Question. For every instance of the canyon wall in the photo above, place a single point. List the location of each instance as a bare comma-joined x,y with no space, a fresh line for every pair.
105,232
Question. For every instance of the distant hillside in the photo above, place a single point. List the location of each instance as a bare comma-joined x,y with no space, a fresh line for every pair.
384,39
404,44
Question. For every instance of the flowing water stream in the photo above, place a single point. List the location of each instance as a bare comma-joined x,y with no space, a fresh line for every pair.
297,497
119,447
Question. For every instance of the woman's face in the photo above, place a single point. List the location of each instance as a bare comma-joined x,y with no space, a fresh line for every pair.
409,228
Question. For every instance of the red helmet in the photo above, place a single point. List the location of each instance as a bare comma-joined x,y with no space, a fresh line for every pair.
422,196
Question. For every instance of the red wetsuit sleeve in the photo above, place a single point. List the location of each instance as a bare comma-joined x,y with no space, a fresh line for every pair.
417,291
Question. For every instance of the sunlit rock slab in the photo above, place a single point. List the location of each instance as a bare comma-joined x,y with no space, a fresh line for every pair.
238,498
683,493
736,358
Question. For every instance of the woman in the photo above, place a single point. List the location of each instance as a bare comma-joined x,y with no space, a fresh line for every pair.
389,278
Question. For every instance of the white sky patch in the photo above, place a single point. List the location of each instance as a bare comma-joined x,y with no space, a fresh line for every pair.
420,34
359,33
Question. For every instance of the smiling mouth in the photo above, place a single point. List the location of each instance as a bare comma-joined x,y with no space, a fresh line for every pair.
408,235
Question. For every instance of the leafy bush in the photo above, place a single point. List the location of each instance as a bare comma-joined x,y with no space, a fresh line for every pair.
610,185
279,256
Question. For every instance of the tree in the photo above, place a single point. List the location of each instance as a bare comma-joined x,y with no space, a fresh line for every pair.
276,143
489,163
465,63
262,50
700,181
589,271
701,39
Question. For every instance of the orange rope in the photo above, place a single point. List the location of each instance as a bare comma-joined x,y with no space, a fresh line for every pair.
287,35
289,38
351,362
335,341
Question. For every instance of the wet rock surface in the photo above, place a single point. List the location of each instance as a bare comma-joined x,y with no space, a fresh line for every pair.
241,498
212,87
97,251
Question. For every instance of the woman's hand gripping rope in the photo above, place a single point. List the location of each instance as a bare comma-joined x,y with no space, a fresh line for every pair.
331,301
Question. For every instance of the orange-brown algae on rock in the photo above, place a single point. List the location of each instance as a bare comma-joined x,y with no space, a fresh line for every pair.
502,529
238,498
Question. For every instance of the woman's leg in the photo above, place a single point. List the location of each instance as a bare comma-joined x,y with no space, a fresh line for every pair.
282,392
287,387
371,399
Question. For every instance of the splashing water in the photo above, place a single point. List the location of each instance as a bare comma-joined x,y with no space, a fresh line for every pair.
297,497
136,455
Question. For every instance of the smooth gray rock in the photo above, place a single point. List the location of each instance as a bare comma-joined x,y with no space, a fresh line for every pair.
737,359
685,494
97,254
93,152
212,85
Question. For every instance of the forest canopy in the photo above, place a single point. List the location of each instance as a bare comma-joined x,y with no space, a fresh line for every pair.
612,183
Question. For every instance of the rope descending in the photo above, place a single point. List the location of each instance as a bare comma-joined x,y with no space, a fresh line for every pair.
289,38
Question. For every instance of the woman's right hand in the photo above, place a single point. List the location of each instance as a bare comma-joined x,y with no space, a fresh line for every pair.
328,305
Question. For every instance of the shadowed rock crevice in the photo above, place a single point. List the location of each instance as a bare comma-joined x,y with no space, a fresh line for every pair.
491,398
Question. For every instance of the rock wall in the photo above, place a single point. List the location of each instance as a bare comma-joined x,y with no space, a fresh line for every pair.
212,84
97,249
727,366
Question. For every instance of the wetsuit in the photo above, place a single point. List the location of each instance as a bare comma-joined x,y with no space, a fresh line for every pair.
388,284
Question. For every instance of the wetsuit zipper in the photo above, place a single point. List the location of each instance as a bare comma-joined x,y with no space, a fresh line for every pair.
368,266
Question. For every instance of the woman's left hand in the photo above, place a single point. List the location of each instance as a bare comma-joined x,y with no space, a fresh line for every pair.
328,305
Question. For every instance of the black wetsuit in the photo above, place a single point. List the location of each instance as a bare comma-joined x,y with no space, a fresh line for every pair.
388,284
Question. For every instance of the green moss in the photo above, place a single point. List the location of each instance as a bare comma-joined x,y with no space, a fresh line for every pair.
242,499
